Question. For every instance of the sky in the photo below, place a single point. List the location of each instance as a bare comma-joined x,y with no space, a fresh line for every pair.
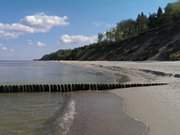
31,28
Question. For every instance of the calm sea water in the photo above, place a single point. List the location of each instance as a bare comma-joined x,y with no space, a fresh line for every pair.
28,114
49,72
41,113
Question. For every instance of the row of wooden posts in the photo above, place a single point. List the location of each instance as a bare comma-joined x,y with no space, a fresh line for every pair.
69,87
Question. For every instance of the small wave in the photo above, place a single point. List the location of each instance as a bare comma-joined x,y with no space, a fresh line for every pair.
68,118
61,122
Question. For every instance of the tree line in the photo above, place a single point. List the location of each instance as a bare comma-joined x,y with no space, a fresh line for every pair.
130,28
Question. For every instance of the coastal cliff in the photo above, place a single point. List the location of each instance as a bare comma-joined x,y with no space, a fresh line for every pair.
156,37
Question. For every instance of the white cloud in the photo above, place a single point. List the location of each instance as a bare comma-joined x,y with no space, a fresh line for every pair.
77,39
43,23
40,44
32,24
6,49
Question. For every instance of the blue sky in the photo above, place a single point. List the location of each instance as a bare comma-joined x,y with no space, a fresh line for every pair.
32,28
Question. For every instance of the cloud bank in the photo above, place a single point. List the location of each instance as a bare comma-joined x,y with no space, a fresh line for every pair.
38,23
77,39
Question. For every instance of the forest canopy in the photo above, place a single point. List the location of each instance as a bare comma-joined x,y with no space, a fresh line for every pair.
130,28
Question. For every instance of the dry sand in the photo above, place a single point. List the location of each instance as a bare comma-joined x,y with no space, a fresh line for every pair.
158,107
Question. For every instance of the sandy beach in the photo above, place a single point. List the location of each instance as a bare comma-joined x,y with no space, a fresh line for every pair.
101,113
157,107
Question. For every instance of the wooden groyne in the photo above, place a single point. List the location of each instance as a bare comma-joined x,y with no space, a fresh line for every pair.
69,87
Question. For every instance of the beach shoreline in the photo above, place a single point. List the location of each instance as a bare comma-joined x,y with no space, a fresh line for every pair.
157,107
101,113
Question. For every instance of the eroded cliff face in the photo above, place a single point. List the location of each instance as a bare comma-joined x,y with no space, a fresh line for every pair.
157,44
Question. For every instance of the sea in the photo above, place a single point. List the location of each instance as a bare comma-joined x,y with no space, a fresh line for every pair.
47,113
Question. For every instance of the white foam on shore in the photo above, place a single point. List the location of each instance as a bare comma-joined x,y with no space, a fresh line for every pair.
68,117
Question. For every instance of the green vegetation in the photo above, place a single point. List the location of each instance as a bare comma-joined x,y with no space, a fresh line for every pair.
130,28
147,37
175,56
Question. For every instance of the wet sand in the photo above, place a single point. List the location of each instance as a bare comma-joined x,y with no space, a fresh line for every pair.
157,107
101,113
